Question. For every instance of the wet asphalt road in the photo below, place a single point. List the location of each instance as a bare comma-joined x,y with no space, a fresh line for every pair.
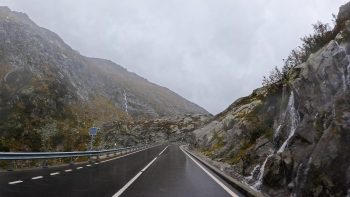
172,173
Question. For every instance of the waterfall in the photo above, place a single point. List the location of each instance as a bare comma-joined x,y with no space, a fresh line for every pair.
252,173
307,169
302,173
126,101
345,77
277,132
294,120
261,173
297,177
344,82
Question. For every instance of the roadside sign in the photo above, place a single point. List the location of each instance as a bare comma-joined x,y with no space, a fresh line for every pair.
93,130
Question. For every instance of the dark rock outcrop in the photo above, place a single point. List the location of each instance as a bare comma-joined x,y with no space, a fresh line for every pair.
293,140
176,129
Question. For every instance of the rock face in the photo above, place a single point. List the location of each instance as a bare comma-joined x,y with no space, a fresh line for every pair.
175,129
293,140
50,94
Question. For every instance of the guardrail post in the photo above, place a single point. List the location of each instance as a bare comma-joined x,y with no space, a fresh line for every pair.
90,159
71,161
98,157
11,165
44,163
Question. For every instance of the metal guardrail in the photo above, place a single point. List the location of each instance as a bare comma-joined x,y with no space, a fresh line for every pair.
54,155
12,157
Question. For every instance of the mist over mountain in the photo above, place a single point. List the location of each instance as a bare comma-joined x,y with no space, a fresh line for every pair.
289,137
49,92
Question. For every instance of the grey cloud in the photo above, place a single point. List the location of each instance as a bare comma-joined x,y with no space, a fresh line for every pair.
210,52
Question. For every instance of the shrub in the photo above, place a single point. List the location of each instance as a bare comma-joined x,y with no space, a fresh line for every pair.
274,79
310,44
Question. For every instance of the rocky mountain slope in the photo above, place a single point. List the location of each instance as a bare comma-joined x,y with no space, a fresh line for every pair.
174,129
50,94
292,139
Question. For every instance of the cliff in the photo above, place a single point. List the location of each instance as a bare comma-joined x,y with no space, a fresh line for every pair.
291,138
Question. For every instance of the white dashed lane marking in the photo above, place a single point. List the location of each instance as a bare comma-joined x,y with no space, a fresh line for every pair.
15,182
88,165
120,192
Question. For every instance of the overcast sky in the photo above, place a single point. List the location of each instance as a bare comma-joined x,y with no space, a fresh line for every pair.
208,51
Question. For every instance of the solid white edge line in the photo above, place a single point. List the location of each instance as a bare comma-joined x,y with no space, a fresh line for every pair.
212,176
15,182
55,173
37,177
120,192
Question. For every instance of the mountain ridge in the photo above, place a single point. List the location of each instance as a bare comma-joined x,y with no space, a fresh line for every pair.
55,40
49,91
